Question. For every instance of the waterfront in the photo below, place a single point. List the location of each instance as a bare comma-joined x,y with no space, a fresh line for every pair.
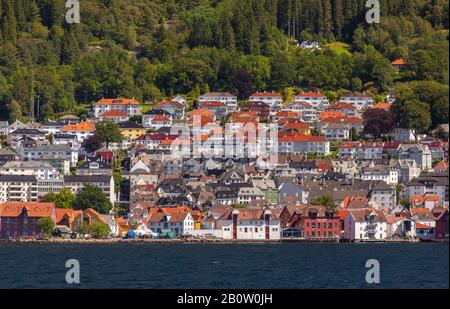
252,266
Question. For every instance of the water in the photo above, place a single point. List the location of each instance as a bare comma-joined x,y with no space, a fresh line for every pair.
251,266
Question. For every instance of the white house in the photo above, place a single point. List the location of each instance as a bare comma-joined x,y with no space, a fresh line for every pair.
40,170
247,195
250,224
361,101
179,223
316,99
384,173
365,225
130,107
227,98
274,100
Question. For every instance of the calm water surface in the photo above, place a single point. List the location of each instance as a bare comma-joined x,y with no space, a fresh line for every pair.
251,266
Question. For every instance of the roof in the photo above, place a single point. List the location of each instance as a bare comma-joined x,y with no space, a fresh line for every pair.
17,178
245,214
399,62
265,94
86,178
217,94
311,94
35,210
386,106
28,132
423,226
60,213
212,104
82,126
201,112
117,101
113,114
300,138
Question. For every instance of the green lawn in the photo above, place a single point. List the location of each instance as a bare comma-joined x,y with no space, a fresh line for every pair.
147,107
339,47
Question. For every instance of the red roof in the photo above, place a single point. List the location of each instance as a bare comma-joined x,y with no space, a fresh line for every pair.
399,62
265,94
423,226
212,104
35,210
311,94
113,114
118,101
342,120
299,138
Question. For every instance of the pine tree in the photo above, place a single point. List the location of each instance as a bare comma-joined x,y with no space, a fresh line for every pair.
9,22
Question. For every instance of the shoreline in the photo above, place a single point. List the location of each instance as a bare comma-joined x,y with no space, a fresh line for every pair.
204,241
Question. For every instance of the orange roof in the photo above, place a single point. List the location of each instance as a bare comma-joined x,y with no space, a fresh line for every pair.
212,104
160,118
342,120
243,115
201,112
386,106
310,94
118,101
331,114
343,106
441,166
399,62
296,125
35,210
94,214
415,211
423,226
113,114
202,121
82,126
245,120
265,94
300,138
60,213
342,214
290,114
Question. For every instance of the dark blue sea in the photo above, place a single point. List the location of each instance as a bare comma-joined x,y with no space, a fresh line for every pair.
211,266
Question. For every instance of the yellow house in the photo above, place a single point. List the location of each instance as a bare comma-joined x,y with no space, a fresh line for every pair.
131,130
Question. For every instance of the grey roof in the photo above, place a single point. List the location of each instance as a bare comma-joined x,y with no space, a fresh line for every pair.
49,148
28,131
17,178
88,179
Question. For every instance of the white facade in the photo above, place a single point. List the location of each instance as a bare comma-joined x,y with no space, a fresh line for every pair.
30,168
228,99
369,228
316,100
272,99
361,102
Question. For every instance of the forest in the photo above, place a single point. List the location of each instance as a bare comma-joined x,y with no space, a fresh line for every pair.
154,49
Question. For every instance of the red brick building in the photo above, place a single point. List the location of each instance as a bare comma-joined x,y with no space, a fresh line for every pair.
316,223
19,219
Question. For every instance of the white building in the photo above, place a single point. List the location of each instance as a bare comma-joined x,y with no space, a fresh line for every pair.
403,135
384,173
250,224
40,170
179,223
361,101
274,100
130,107
48,152
361,151
15,188
228,99
249,194
365,225
315,99
104,182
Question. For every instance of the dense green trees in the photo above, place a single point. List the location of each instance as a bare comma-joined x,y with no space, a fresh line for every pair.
154,49
92,197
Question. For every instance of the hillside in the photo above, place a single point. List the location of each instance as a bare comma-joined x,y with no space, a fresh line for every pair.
152,49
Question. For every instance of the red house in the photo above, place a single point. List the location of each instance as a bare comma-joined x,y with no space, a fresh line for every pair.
317,223
441,218
19,219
